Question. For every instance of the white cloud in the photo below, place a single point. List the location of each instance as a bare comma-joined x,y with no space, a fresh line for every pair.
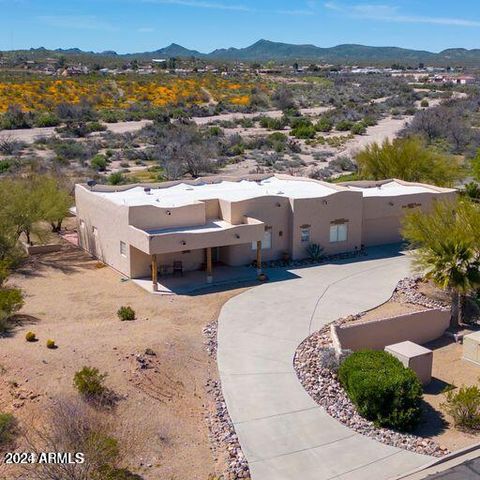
388,13
309,10
78,22
202,4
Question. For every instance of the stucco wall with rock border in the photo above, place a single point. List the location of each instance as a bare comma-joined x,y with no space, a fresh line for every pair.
418,327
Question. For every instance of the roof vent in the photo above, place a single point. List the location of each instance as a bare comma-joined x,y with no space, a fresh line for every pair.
91,183
147,190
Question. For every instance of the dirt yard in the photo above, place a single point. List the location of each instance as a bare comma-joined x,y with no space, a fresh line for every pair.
72,301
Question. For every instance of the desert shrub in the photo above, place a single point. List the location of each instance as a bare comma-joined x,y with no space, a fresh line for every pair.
11,300
10,146
90,382
325,124
110,473
272,123
99,162
15,118
304,131
344,125
96,127
69,149
116,178
358,128
72,425
126,313
46,119
463,405
51,344
7,428
383,390
314,252
5,166
424,103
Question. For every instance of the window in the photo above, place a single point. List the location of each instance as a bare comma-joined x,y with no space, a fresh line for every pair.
305,235
338,232
267,240
82,224
95,231
123,249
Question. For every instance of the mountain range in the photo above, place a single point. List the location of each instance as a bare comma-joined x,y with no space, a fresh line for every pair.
265,50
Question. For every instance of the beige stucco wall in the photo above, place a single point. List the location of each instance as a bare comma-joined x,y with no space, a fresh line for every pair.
418,327
319,213
149,217
382,216
111,222
276,213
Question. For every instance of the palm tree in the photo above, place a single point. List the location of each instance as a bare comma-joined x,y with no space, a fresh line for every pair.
447,250
453,265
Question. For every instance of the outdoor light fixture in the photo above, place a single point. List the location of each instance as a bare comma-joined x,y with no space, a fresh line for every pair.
325,202
237,235
183,242
168,212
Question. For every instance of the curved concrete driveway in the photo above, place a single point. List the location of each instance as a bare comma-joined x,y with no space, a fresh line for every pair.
284,434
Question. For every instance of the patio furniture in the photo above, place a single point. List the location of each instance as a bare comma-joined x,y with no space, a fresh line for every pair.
414,356
163,270
178,268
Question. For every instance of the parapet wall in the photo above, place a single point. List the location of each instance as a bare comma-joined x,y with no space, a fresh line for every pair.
418,327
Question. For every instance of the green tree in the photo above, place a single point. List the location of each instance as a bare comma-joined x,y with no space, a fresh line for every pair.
476,166
408,159
446,242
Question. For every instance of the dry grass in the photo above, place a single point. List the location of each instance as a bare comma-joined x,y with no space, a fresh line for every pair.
75,303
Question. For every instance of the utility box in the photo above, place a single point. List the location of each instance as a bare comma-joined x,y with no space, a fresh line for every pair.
416,357
471,347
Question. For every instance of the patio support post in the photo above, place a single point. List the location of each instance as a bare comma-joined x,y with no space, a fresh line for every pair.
259,257
209,265
154,273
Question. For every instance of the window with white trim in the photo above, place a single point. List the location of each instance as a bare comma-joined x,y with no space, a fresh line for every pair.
338,232
266,242
305,235
123,249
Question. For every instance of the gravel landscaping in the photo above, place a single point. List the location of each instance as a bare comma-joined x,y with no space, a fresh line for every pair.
222,432
323,386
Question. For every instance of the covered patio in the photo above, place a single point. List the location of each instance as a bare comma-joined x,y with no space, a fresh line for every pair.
190,282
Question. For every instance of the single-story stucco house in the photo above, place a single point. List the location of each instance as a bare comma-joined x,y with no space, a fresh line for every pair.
141,229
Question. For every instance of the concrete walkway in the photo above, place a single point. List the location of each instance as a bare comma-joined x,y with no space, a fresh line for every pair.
284,434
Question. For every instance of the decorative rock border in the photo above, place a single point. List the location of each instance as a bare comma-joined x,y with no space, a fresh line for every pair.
323,386
220,425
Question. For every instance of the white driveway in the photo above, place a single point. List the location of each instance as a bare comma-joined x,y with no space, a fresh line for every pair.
284,434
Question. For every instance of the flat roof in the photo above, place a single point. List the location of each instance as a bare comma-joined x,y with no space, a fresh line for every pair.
237,189
186,194
391,189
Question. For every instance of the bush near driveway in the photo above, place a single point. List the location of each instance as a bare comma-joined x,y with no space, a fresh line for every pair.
383,390
463,405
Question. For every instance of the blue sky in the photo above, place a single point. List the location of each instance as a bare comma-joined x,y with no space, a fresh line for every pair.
141,25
